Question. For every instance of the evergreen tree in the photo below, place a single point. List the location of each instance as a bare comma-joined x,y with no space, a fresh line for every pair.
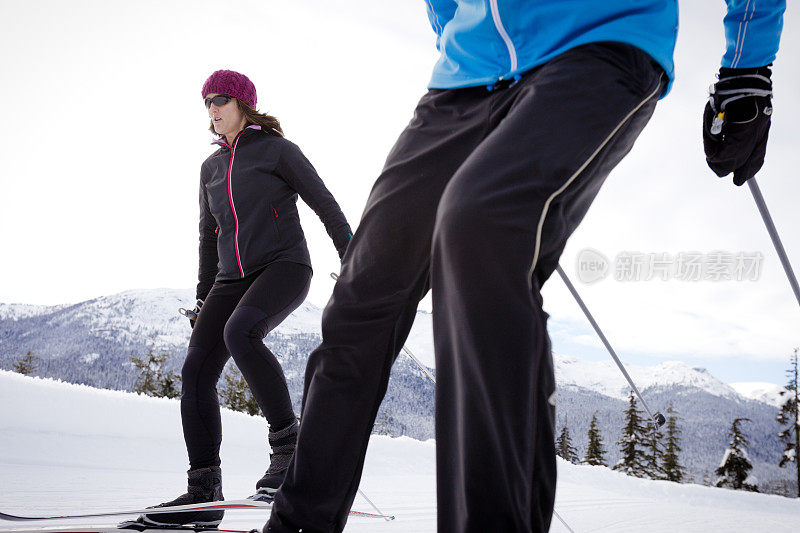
633,435
788,416
564,448
734,470
655,453
26,365
672,468
595,452
382,425
168,385
152,380
236,395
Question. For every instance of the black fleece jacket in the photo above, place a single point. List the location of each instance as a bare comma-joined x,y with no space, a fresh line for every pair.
248,207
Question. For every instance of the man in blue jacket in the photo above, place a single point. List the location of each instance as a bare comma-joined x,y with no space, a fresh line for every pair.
530,106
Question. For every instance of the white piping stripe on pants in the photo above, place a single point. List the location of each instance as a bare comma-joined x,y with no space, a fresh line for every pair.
575,175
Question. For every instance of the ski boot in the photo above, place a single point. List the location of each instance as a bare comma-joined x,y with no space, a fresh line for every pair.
205,485
283,443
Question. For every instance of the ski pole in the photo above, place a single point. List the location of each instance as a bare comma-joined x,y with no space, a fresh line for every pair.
657,418
419,365
773,233
563,522
406,351
385,517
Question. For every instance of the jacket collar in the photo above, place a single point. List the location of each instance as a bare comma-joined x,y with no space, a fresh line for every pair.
221,141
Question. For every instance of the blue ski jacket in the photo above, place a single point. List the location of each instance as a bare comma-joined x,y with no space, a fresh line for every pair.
486,41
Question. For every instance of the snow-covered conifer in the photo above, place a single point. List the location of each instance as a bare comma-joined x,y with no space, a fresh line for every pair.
671,466
564,448
152,380
27,364
634,435
236,395
655,453
168,385
734,469
595,451
788,417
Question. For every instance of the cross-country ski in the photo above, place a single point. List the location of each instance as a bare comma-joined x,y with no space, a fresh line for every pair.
218,506
94,529
230,505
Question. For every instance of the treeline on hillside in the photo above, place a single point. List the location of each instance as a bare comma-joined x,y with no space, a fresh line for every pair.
648,451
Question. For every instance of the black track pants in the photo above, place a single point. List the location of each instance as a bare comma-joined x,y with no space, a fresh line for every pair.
477,199
233,321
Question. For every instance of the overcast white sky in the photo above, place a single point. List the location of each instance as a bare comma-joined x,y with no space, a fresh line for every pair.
105,132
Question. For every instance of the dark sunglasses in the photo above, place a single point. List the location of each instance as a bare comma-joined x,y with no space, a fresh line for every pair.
219,100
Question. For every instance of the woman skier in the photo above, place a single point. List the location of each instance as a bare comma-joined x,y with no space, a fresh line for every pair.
255,270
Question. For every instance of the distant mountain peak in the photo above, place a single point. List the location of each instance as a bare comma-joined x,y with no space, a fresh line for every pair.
769,393
605,378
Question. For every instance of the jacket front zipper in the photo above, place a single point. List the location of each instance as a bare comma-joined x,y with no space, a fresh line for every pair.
233,208
512,52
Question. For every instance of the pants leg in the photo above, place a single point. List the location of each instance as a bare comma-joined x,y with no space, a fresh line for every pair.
383,277
501,225
277,291
205,361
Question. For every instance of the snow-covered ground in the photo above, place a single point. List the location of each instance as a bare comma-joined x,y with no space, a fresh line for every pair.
65,448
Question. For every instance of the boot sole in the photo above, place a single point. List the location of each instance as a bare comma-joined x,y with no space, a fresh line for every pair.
141,526
149,522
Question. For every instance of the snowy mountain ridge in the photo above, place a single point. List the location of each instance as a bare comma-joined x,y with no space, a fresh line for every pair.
17,311
151,314
605,378
769,393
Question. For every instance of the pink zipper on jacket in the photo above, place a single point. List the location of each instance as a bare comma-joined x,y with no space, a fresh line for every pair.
230,198
233,208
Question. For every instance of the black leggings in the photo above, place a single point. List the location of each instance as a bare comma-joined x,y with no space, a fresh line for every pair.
233,321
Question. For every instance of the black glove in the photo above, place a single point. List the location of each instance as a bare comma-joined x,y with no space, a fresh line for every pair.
736,122
343,246
191,314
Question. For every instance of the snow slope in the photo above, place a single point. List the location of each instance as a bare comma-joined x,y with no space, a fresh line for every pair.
68,447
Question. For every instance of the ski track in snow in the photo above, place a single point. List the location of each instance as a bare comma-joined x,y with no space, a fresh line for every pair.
67,448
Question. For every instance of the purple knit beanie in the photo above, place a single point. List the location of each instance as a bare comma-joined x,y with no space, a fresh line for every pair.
231,83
